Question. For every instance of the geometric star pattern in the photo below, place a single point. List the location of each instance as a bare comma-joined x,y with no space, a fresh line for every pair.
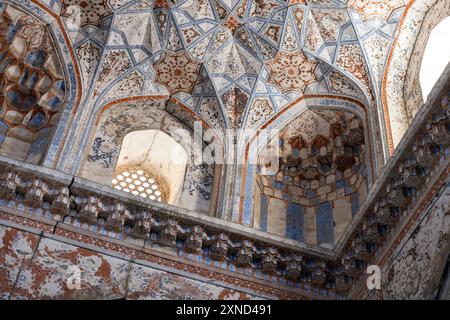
235,52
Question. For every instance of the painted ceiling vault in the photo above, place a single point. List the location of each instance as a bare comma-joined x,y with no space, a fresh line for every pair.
234,63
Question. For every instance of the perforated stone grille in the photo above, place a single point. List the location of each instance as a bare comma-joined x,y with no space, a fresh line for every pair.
138,182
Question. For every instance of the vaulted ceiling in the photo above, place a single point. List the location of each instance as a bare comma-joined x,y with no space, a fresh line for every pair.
234,63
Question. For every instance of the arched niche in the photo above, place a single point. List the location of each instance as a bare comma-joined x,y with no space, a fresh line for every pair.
32,85
151,164
401,90
320,181
107,139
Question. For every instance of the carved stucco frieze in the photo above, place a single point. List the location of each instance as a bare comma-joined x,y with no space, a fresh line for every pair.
408,179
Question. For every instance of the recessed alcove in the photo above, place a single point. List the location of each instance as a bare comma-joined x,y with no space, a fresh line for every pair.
436,57
320,182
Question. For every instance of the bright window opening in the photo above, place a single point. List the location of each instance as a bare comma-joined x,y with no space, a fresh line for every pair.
436,57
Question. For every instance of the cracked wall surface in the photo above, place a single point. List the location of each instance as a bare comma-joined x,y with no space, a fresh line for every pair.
36,267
